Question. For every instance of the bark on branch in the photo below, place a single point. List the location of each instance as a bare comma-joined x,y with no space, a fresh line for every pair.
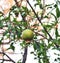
25,54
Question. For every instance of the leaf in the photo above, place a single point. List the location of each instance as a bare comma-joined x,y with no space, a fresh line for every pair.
5,33
1,25
36,46
1,40
41,6
38,1
11,47
56,33
57,12
58,41
54,16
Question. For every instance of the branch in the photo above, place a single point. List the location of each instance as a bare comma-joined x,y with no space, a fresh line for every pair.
41,35
39,19
25,54
7,56
5,59
16,3
3,54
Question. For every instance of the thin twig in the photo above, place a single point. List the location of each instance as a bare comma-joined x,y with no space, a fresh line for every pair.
3,54
5,59
7,56
41,35
16,2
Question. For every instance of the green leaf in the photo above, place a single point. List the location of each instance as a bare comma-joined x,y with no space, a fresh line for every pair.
56,33
11,47
38,1
54,16
41,6
36,46
1,40
1,24
57,12
5,33
58,41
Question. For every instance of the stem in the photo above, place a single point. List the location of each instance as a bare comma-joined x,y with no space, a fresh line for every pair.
25,55
3,54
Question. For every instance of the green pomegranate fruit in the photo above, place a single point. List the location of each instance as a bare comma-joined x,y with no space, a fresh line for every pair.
27,34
